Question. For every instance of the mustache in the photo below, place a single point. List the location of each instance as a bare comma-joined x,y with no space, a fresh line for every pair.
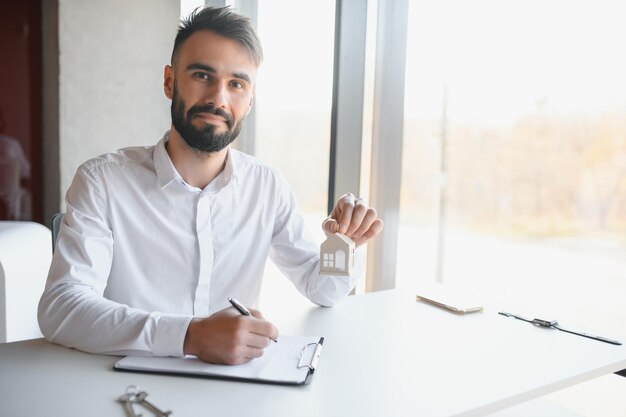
211,109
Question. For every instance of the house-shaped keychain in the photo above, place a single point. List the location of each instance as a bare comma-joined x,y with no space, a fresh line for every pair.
337,255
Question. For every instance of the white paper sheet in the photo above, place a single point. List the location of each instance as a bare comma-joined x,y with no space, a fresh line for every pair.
279,363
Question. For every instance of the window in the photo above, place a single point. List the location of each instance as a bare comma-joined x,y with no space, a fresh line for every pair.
329,260
514,158
188,6
293,109
294,98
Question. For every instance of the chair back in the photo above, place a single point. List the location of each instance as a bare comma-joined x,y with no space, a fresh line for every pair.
56,225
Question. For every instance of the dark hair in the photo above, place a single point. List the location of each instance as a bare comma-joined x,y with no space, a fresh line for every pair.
224,22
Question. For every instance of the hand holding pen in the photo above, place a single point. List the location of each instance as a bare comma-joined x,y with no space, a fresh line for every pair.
245,312
229,336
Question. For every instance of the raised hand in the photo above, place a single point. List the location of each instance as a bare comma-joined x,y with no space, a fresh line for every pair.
352,217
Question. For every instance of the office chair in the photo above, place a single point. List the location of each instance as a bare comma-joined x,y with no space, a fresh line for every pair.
56,225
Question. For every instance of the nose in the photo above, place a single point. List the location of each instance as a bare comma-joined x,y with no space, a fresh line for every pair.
217,94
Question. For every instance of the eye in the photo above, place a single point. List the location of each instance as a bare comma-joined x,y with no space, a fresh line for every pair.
201,75
237,84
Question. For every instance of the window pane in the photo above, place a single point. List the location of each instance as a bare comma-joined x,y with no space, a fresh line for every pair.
515,148
293,102
294,97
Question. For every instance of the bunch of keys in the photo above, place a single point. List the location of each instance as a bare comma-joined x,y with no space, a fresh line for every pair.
134,395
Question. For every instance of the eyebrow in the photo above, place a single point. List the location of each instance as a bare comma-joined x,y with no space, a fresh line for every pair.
207,68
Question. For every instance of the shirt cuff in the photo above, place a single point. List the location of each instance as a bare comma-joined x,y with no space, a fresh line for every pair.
169,336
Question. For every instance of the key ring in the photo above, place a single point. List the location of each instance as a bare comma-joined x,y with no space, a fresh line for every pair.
132,390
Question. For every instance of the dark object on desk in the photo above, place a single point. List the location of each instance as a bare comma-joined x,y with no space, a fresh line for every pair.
553,324
622,373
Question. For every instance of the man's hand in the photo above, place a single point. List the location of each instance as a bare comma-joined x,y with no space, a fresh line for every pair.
227,337
352,217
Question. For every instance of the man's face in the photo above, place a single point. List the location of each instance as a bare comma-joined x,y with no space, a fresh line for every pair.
211,87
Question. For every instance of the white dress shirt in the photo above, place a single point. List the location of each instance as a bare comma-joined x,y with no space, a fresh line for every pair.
140,252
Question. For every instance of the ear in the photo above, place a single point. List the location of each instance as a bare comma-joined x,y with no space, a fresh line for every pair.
168,81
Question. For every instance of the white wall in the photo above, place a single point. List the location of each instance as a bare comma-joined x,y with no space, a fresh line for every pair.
112,55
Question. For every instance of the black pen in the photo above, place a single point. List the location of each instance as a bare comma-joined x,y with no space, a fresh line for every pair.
244,311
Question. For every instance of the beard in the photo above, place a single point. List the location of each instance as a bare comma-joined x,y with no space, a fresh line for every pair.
204,139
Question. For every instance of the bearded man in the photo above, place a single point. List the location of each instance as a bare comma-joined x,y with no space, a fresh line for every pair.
156,239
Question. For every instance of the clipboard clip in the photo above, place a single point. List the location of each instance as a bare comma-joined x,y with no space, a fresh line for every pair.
314,358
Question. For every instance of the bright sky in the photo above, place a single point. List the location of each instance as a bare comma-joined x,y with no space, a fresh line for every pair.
500,57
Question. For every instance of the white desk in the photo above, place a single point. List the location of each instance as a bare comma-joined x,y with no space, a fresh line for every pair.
384,355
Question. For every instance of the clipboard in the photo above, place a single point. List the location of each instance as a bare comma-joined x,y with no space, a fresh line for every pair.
291,361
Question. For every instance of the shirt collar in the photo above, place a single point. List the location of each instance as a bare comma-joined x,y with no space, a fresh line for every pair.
231,168
166,172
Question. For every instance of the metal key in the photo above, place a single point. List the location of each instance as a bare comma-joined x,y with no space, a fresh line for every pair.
140,398
126,401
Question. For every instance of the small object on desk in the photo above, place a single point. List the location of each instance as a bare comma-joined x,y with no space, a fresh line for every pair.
337,255
243,310
134,395
553,324
141,399
126,399
448,299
